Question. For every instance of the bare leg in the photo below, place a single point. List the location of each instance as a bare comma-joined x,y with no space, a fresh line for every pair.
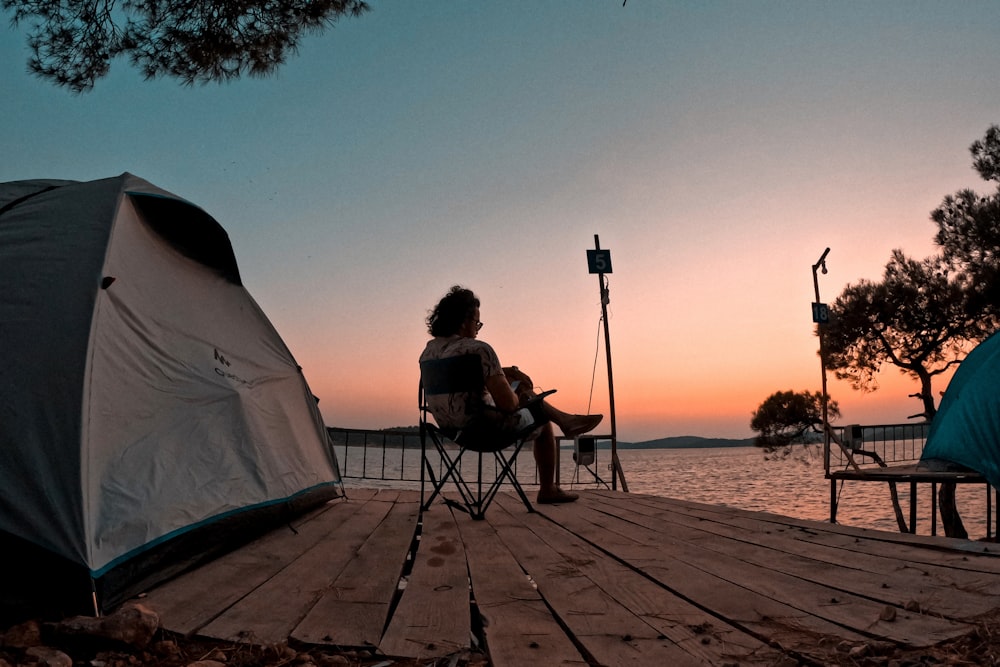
545,447
545,458
571,425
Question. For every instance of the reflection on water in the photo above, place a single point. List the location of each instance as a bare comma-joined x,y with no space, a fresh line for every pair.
793,486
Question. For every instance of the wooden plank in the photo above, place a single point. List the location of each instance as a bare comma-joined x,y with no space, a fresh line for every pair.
744,609
354,610
782,543
268,614
432,618
957,594
188,602
518,627
589,607
676,619
625,579
733,556
942,551
840,608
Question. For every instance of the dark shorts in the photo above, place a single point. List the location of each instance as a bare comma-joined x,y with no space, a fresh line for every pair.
495,431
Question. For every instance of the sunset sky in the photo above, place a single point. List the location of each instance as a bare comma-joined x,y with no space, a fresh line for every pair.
717,148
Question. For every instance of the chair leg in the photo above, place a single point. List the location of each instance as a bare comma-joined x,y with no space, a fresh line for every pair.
424,465
474,499
509,472
505,465
468,496
435,486
450,472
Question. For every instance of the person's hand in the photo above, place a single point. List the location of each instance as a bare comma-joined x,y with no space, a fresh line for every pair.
514,373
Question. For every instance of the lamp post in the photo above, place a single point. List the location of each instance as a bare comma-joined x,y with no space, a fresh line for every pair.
821,315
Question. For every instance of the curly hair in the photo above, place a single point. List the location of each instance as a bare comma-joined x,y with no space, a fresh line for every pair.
452,311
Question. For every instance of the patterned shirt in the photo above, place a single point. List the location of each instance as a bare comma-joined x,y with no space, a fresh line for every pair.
457,410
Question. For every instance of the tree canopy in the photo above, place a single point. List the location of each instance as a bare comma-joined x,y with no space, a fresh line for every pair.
916,319
969,230
74,41
785,417
926,315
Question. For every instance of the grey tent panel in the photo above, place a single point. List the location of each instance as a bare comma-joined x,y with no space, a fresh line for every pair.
144,396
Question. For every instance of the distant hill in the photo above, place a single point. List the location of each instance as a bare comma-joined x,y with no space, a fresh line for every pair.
686,442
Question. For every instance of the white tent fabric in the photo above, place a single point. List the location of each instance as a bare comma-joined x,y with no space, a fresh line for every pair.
143,393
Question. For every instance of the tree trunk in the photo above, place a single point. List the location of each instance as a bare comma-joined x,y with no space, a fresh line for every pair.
952,522
926,394
950,519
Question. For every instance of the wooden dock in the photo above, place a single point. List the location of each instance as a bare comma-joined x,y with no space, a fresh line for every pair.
613,579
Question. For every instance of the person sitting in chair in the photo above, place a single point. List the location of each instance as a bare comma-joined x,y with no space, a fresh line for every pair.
454,324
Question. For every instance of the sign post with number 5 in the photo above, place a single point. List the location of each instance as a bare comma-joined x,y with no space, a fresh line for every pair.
599,261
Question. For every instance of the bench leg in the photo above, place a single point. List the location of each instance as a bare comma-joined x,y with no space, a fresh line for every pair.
933,509
833,501
896,509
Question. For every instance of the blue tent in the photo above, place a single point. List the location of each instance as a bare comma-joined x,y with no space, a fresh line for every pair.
966,429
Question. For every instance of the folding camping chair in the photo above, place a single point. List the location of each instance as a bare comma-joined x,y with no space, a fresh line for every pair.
455,375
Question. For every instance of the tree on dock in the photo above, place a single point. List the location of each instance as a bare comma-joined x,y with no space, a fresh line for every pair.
917,318
969,231
787,417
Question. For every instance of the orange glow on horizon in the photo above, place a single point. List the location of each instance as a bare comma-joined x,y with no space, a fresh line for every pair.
645,408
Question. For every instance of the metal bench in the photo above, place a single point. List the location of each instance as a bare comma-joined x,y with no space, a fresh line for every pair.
890,453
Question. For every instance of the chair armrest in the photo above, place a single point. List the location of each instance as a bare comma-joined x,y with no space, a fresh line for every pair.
537,398
534,400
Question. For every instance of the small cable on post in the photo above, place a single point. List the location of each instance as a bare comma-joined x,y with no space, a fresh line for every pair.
593,372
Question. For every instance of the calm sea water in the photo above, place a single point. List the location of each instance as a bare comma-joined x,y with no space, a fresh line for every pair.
794,486
743,477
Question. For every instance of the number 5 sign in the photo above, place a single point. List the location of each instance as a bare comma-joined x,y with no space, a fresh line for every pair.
599,261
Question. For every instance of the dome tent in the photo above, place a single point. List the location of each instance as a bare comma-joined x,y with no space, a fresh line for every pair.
149,412
966,429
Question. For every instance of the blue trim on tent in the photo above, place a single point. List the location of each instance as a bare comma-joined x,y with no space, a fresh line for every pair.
97,574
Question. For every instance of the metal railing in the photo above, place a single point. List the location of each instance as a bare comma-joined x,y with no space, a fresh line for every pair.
870,444
392,458
377,455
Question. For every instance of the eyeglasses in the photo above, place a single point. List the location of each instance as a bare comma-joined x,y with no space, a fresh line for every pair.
479,325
